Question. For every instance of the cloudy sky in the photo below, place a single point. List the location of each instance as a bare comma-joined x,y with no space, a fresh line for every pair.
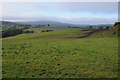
67,12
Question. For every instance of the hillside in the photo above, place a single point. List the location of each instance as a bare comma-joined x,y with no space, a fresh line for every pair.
56,55
116,28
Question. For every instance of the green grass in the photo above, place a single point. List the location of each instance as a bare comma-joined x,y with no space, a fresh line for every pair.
103,34
3,28
37,30
55,55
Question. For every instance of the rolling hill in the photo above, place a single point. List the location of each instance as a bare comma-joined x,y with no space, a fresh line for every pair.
55,55
8,23
52,23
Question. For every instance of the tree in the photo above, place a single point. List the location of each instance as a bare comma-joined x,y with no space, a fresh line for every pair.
90,27
116,23
11,32
48,24
107,27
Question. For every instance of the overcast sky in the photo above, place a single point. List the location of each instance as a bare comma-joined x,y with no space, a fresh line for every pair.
67,12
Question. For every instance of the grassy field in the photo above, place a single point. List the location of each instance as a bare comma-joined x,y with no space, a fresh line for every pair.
39,29
57,55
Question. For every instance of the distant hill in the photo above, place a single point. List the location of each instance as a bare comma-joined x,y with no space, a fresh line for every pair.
40,22
8,23
12,24
51,23
59,24
34,23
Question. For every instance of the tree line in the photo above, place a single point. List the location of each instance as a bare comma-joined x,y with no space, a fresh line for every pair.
13,32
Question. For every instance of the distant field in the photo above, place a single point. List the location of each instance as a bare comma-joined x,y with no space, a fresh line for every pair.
37,30
3,28
58,54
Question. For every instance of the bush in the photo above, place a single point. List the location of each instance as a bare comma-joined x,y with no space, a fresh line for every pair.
13,32
46,30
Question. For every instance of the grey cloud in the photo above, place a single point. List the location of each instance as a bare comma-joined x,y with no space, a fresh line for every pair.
93,21
93,7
